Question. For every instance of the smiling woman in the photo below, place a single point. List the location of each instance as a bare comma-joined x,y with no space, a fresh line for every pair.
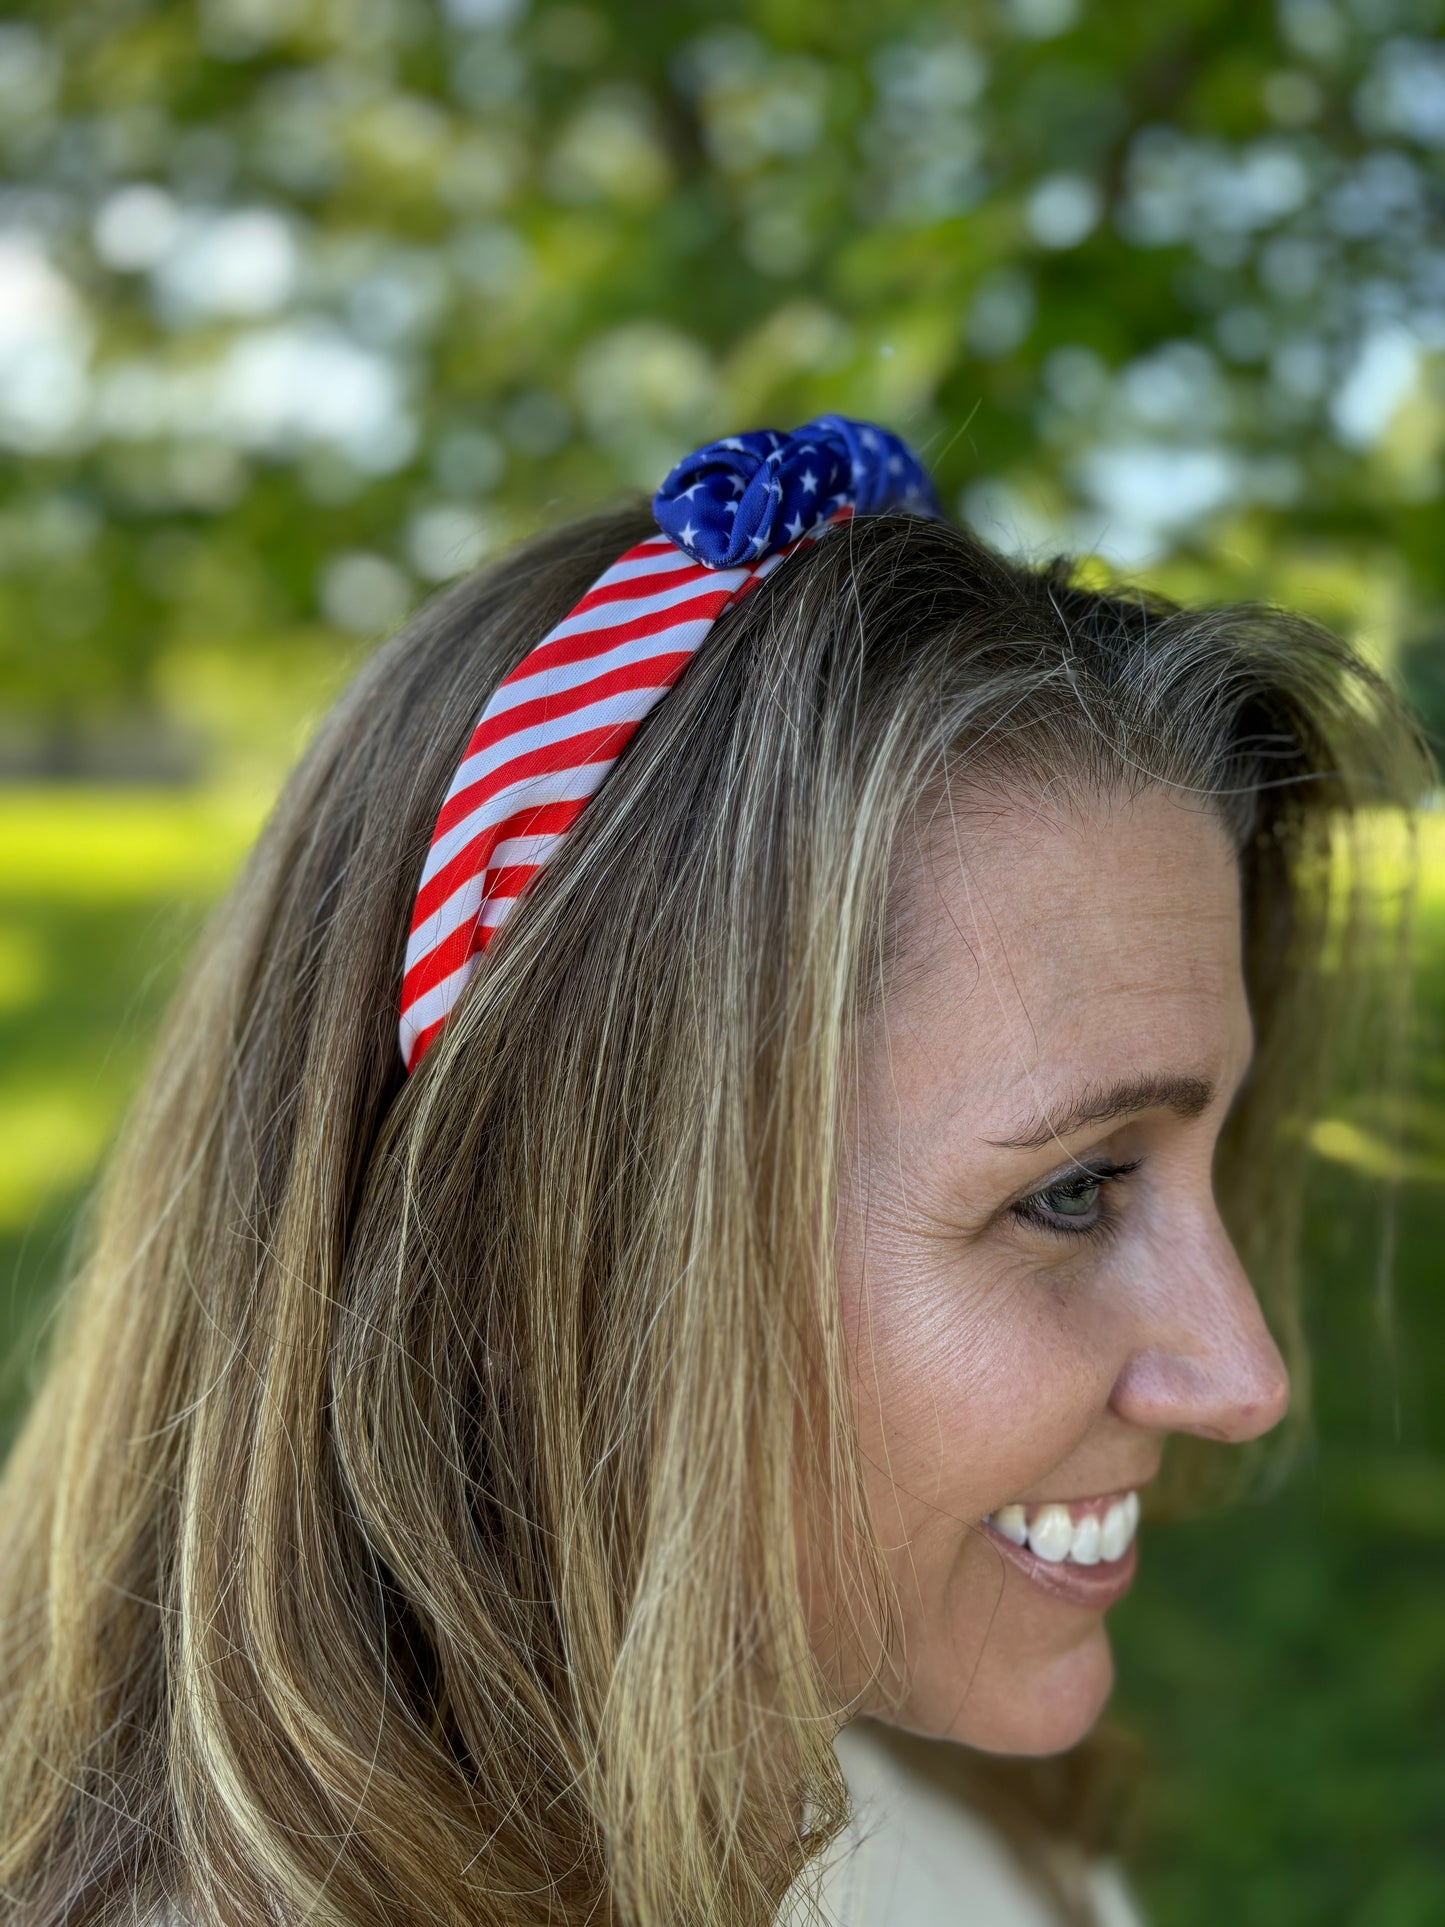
1036,1306
653,1448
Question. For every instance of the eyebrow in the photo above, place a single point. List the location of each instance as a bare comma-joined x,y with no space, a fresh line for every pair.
1178,1091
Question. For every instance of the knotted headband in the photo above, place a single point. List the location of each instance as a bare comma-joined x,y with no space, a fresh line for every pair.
553,727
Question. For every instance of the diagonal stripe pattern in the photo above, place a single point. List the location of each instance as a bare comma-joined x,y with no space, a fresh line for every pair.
549,734
729,514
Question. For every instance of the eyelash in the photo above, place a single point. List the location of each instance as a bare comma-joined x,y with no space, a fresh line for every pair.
1102,1174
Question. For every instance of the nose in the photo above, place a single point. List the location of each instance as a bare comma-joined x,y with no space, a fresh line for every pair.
1203,1359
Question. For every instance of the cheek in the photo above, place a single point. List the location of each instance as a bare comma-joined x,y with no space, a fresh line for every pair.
966,1396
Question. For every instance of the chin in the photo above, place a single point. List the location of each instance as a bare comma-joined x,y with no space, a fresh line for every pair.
1024,1707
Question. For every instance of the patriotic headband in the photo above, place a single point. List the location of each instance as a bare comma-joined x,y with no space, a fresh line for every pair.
729,514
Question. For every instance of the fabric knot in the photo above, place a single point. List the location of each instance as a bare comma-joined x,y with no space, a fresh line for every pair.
739,499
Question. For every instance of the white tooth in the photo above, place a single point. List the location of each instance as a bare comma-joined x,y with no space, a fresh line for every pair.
1085,1549
1010,1521
1116,1531
1132,1501
1052,1532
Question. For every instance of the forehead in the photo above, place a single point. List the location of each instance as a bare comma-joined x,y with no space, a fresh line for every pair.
1043,944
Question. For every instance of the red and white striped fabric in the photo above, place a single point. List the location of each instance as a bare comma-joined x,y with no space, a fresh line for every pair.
542,746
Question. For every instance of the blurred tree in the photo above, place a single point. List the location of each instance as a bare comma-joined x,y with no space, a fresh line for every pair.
306,305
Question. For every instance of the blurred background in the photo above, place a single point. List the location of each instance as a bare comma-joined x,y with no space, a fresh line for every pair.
307,306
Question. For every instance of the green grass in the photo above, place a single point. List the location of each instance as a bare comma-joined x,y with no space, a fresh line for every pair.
102,894
1285,1661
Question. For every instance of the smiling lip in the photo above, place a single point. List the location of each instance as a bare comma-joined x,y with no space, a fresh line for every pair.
1093,1587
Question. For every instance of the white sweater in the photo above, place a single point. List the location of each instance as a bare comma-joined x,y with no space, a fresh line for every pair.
915,1856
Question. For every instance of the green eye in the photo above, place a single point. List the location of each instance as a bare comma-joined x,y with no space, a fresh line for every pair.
1067,1207
1074,1200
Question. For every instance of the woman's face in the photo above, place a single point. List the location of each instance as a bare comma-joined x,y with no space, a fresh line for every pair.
1021,1333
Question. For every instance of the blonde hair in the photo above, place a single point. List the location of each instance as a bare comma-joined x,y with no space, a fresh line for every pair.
403,1529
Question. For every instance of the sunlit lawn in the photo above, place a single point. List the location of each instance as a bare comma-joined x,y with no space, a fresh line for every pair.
1285,1661
101,896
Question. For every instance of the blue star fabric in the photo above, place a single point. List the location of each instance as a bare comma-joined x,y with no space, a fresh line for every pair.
737,500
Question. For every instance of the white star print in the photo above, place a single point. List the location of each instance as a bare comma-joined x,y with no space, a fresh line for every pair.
730,508
895,464
795,527
686,534
758,544
810,482
868,438
731,442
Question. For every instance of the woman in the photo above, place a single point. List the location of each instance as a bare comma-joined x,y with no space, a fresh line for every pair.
478,1481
